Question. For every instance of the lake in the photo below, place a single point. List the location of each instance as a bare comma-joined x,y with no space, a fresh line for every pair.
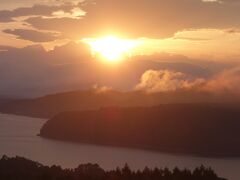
18,136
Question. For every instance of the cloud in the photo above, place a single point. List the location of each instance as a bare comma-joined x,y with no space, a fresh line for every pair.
228,81
101,89
33,35
228,1
224,82
14,4
5,16
35,10
165,80
6,48
232,30
150,18
33,71
191,39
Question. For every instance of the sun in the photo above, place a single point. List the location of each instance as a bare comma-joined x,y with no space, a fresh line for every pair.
111,48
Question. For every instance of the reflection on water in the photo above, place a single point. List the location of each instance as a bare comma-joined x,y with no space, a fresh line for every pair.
18,136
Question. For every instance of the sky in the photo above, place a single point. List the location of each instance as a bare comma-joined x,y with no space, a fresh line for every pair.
197,28
203,34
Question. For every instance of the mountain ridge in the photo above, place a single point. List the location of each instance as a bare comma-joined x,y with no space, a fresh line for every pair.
50,105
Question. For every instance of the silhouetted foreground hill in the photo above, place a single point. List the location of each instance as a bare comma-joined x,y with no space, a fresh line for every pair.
19,168
49,106
200,129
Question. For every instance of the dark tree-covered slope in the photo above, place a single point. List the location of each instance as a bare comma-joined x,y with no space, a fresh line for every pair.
201,129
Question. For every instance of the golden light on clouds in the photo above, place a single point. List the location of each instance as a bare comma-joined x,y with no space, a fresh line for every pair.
112,48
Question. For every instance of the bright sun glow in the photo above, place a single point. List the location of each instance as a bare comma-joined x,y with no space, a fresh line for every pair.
111,48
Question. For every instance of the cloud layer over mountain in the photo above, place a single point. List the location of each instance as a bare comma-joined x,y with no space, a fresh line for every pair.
33,71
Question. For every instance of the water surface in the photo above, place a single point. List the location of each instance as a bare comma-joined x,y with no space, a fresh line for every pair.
18,136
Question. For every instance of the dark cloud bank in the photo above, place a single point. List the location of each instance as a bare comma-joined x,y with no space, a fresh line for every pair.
32,71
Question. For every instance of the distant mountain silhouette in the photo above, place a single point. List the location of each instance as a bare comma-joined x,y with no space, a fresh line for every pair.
6,100
200,129
49,106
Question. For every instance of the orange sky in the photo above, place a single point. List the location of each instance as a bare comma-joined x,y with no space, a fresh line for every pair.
44,45
194,28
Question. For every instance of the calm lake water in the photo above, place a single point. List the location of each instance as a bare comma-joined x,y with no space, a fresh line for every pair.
18,136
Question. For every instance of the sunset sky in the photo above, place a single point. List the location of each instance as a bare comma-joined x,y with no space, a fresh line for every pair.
202,33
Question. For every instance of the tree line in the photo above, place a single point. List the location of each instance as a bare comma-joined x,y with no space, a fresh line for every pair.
19,168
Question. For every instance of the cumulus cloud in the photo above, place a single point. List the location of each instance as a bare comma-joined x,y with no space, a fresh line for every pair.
33,35
224,82
165,80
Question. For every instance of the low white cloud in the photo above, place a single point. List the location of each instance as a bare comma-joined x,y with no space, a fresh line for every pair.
224,82
227,81
101,89
166,80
